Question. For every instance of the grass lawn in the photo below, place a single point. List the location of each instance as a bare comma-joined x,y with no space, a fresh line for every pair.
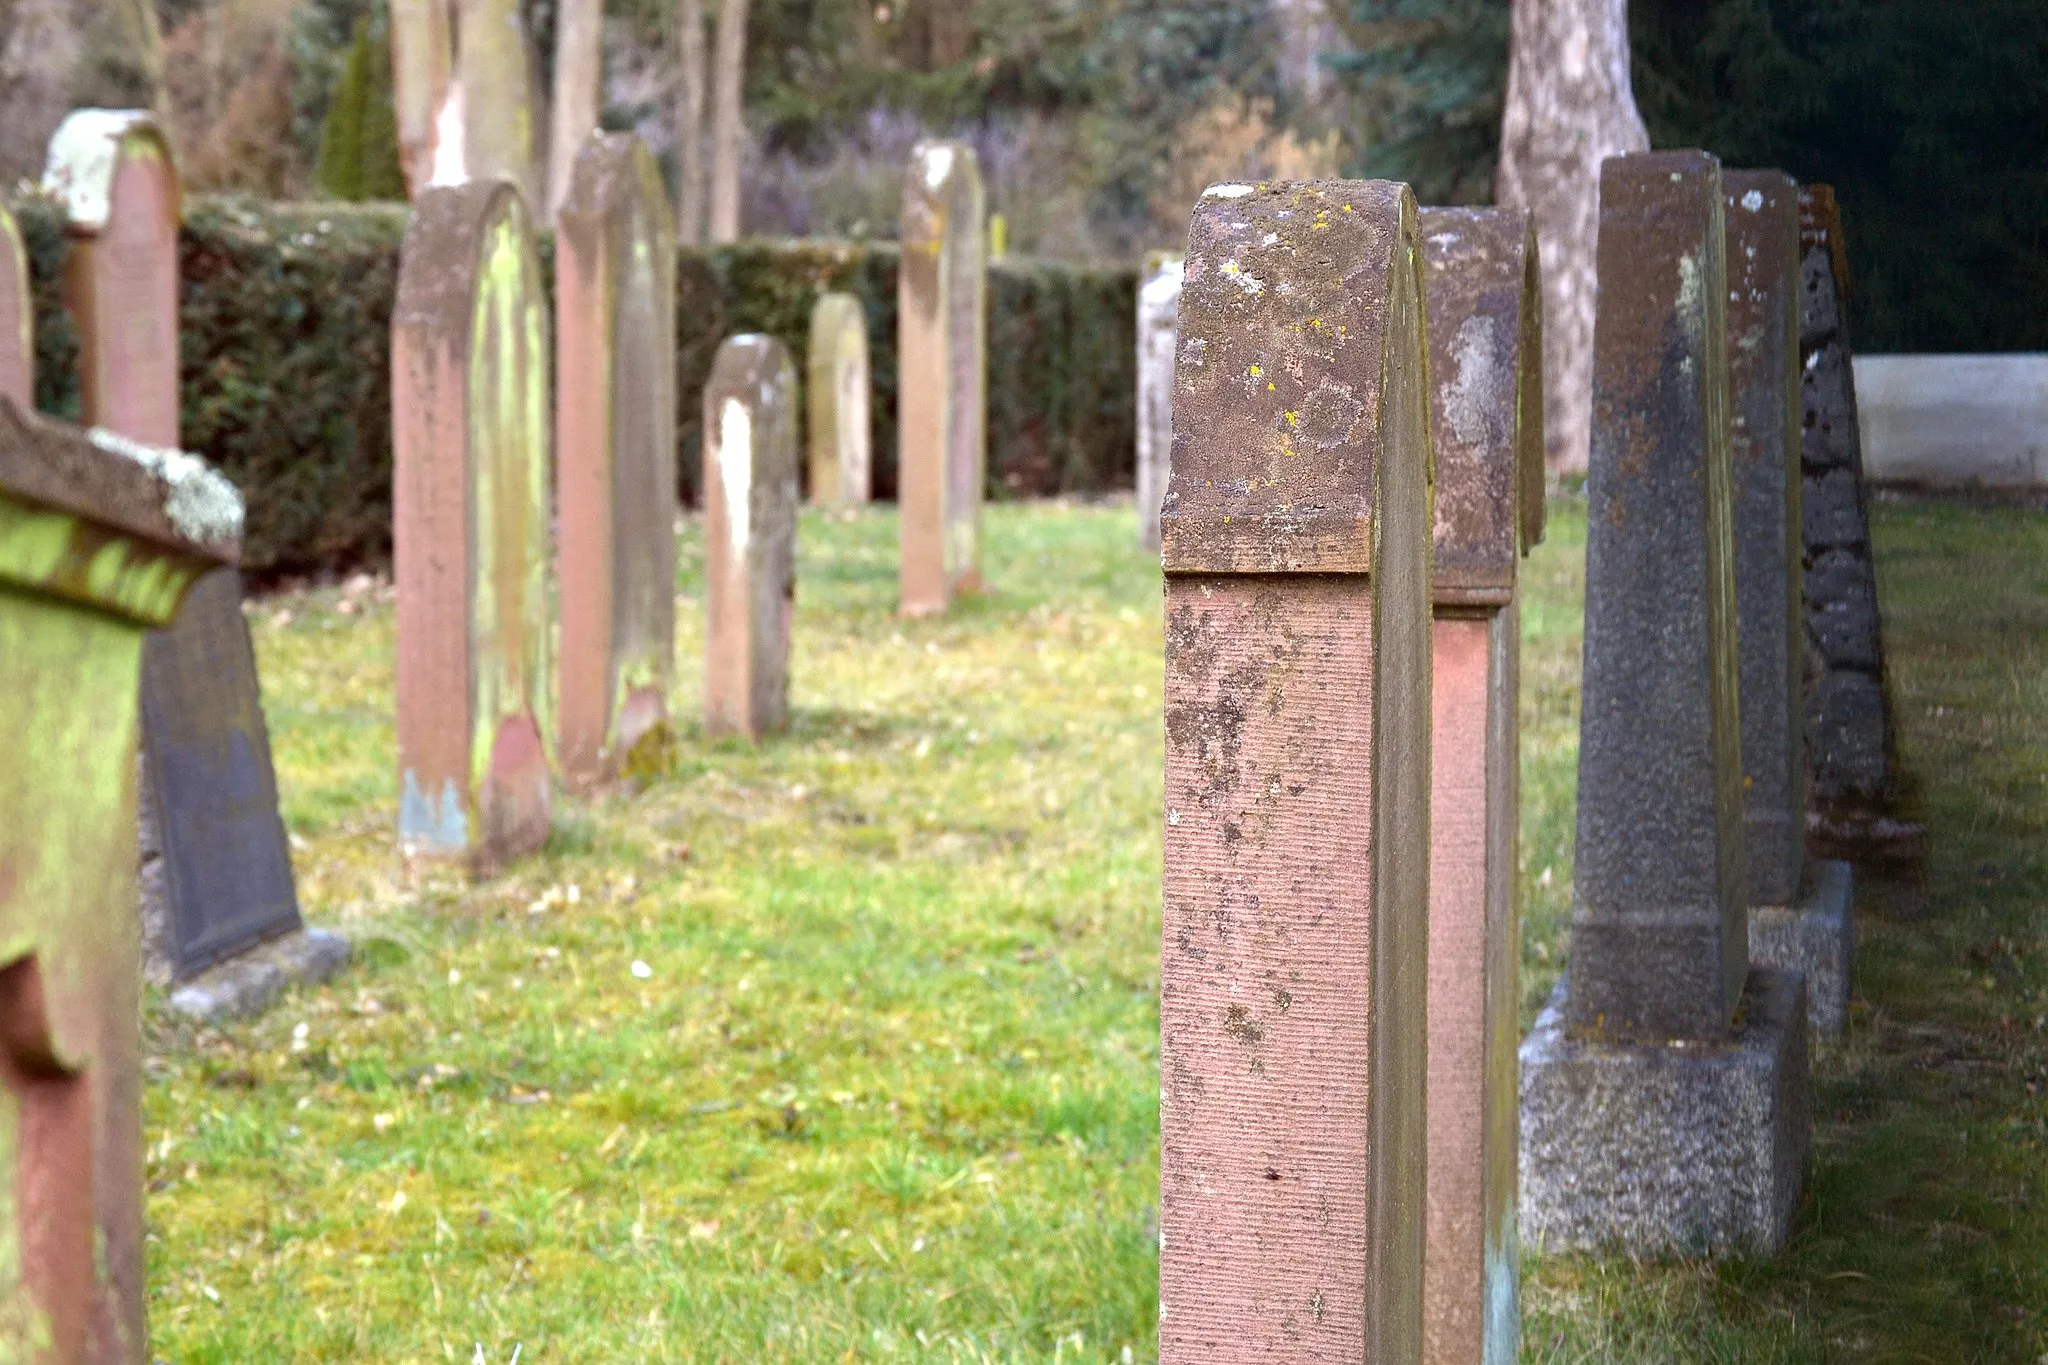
843,1048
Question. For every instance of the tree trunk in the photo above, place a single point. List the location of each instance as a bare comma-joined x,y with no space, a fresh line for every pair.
422,59
728,126
38,54
1570,106
124,55
691,189
491,66
579,73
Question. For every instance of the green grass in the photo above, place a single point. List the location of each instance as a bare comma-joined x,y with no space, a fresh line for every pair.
888,1087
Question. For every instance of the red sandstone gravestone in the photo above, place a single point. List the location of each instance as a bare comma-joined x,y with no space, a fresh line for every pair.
837,389
99,540
1296,545
1486,347
615,439
942,337
469,391
750,500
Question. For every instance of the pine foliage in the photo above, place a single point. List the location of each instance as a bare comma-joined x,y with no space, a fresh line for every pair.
359,140
1429,79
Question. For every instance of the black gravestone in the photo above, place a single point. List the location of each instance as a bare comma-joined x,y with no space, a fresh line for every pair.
226,872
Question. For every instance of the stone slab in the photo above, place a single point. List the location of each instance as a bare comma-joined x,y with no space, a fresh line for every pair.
838,389
1816,938
1158,331
1672,1148
1954,421
251,983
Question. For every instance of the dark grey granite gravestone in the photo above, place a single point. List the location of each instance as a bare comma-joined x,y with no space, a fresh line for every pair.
1799,918
1664,1094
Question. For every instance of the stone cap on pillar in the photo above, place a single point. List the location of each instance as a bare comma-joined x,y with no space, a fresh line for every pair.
84,155
1486,362
1279,455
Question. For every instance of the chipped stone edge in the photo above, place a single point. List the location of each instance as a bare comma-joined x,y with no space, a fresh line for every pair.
84,153
200,501
248,985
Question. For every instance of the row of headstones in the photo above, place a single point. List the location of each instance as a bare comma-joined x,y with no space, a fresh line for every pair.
479,748
1353,1144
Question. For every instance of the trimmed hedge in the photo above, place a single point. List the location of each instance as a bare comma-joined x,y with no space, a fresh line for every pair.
285,317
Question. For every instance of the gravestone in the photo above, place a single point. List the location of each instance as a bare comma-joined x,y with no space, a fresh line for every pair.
1799,915
1486,368
17,317
942,341
1855,788
750,501
1158,326
1665,1092
102,537
1295,541
469,395
615,441
837,387
216,872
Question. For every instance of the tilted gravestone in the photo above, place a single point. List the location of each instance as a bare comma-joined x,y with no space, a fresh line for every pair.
1855,790
615,443
1799,913
837,388
1295,540
1158,328
469,394
1486,369
1665,1093
750,502
941,350
99,540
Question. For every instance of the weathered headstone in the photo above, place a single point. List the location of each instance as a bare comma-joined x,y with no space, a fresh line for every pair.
837,386
942,341
1665,1092
17,317
1855,787
469,393
1295,540
750,501
99,540
1799,916
615,443
1158,327
1486,367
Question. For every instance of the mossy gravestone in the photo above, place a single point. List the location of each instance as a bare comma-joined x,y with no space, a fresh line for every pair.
1486,370
1296,544
942,385
100,538
837,387
615,443
469,393
750,502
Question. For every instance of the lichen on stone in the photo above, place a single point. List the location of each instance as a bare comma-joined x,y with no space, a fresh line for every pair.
200,502
79,172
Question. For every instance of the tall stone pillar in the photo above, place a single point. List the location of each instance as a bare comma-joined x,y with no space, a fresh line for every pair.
1799,913
615,444
942,343
1158,329
471,507
1296,544
1665,1095
750,502
1485,354
102,538
838,389
1570,106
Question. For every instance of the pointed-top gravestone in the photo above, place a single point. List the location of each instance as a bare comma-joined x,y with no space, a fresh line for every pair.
836,388
750,502
1486,365
942,320
1295,540
102,538
615,441
1665,1092
1158,326
469,392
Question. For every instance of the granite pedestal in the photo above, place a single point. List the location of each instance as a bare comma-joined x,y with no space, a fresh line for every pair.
1817,938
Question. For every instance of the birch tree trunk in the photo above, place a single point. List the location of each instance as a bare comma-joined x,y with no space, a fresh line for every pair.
579,70
728,125
1570,106
690,179
422,62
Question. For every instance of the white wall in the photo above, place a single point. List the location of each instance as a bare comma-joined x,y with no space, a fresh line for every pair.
1954,419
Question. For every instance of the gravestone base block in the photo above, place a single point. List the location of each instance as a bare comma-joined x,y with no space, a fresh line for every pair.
250,984
1815,938
1665,1148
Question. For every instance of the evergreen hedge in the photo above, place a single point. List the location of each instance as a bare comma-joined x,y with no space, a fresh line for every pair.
285,319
